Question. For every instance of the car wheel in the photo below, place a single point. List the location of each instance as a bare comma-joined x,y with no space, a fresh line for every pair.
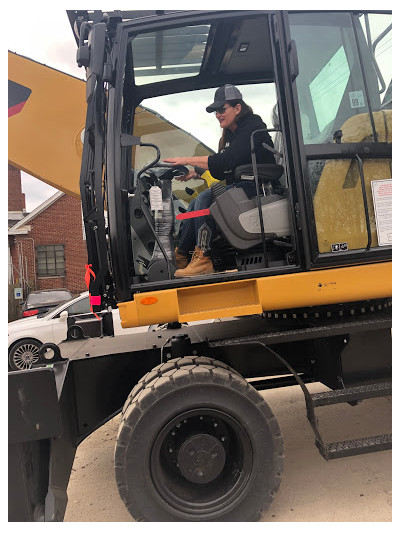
75,332
197,443
24,354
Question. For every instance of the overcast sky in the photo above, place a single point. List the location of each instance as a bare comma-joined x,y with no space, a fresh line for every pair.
44,34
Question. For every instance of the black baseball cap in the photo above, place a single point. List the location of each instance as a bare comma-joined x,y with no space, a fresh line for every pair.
224,94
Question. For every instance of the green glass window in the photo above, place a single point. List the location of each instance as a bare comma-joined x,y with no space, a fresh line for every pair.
377,31
333,50
168,54
327,88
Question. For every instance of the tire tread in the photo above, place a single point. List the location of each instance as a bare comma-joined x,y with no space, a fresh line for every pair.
170,376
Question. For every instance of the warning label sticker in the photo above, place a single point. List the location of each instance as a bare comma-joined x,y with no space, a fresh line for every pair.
356,99
339,247
382,197
155,195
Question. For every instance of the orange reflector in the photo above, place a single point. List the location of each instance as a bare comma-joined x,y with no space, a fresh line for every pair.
149,300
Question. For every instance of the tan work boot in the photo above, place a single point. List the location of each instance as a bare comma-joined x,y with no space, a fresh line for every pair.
181,259
200,264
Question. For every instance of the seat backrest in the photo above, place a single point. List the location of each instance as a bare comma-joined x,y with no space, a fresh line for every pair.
237,217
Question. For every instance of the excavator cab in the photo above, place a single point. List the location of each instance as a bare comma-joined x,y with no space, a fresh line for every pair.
321,81
302,267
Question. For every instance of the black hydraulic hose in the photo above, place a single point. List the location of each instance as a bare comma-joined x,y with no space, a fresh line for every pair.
144,211
153,163
307,396
254,163
364,193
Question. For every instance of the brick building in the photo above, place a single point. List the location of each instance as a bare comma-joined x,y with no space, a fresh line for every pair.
46,247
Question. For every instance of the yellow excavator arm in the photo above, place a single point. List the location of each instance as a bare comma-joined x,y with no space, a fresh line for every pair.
47,113
46,110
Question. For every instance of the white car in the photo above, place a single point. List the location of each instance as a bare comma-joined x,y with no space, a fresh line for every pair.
68,320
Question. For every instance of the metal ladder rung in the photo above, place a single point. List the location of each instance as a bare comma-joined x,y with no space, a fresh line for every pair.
374,390
346,448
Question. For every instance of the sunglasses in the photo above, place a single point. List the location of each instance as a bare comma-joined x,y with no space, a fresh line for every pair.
221,110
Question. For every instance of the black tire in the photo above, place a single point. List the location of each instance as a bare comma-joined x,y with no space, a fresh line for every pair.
24,354
204,415
75,333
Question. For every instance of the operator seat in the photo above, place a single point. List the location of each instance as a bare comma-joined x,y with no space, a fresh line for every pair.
237,216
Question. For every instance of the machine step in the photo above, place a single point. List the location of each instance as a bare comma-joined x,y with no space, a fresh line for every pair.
346,448
334,450
351,394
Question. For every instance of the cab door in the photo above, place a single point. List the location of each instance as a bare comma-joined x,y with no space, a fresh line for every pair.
172,59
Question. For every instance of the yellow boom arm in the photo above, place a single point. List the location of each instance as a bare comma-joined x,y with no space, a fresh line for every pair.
47,112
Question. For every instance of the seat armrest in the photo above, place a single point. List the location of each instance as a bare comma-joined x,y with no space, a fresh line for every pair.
265,172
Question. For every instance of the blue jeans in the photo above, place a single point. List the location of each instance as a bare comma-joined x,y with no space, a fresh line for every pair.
200,231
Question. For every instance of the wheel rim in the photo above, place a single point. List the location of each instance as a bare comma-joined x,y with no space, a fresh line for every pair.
201,462
25,356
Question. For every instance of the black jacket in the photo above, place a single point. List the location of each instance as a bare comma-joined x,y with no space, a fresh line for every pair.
237,149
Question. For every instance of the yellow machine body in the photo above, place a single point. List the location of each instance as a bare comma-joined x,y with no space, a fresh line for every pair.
44,139
253,296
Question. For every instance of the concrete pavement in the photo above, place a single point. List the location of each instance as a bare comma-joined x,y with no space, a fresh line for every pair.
352,489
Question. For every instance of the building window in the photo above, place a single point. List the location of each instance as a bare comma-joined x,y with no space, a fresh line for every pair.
51,260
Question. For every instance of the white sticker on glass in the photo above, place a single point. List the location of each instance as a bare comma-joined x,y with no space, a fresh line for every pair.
356,99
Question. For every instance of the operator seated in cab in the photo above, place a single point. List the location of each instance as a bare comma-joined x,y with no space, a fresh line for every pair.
238,122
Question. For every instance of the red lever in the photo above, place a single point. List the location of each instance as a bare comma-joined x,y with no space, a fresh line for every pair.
193,214
94,300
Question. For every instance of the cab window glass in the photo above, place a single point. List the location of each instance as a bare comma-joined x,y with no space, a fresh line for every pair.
179,124
330,85
377,30
344,80
340,213
327,88
168,54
